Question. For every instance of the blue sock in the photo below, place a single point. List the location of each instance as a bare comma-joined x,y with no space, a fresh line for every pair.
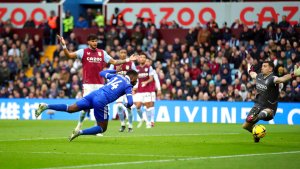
58,107
92,131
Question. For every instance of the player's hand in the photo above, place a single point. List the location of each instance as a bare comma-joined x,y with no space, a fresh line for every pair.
144,84
61,40
133,57
296,70
250,68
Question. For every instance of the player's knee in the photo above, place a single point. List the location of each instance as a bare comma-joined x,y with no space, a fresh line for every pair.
269,117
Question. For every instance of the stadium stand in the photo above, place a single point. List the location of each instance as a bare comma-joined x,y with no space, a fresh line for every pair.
189,67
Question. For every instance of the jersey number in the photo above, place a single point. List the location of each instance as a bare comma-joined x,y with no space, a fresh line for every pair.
114,83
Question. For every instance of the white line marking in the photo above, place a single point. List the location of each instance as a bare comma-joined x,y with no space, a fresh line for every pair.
162,135
171,160
93,154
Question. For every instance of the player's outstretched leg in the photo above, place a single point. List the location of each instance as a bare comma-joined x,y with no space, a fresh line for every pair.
41,108
75,134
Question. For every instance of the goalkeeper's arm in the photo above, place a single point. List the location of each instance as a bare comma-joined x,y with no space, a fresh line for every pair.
288,77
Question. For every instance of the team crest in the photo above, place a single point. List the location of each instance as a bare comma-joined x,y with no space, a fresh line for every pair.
99,53
127,67
267,81
88,53
146,69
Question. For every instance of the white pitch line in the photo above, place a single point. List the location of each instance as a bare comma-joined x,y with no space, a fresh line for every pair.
104,154
171,160
129,135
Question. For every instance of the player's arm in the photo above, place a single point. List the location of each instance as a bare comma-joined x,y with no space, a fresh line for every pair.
129,98
251,71
151,74
118,62
288,77
107,73
71,55
148,81
157,83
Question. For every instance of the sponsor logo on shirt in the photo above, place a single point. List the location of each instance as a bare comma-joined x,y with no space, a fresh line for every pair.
94,59
261,86
143,75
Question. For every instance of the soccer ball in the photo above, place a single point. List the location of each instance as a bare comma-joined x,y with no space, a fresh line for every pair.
259,131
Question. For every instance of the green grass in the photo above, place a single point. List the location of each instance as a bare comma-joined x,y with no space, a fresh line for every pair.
44,144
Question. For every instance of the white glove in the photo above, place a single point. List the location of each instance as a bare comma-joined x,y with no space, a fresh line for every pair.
250,68
296,71
280,86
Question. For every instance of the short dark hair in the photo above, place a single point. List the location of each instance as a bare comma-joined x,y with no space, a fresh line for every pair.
270,63
142,53
131,73
92,37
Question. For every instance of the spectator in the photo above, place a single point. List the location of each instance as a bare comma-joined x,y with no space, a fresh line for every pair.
46,31
111,36
245,36
212,24
24,56
68,24
89,17
284,24
116,18
164,24
102,38
139,23
174,25
203,35
150,23
81,22
14,51
272,24
99,19
53,22
137,36
29,23
191,36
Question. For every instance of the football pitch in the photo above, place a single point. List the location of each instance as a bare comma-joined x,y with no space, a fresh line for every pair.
44,144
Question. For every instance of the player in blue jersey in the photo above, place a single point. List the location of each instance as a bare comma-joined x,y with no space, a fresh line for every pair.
117,86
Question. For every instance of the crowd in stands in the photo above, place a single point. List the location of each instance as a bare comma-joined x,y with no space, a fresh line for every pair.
210,64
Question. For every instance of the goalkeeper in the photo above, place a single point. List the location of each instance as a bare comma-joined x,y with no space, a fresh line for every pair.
266,101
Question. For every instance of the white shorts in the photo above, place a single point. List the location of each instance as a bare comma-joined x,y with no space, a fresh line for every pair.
144,97
89,88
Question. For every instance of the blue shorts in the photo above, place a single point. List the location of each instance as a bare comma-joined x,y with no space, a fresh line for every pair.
95,100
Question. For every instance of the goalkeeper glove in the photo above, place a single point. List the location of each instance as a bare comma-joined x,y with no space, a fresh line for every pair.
250,68
296,71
